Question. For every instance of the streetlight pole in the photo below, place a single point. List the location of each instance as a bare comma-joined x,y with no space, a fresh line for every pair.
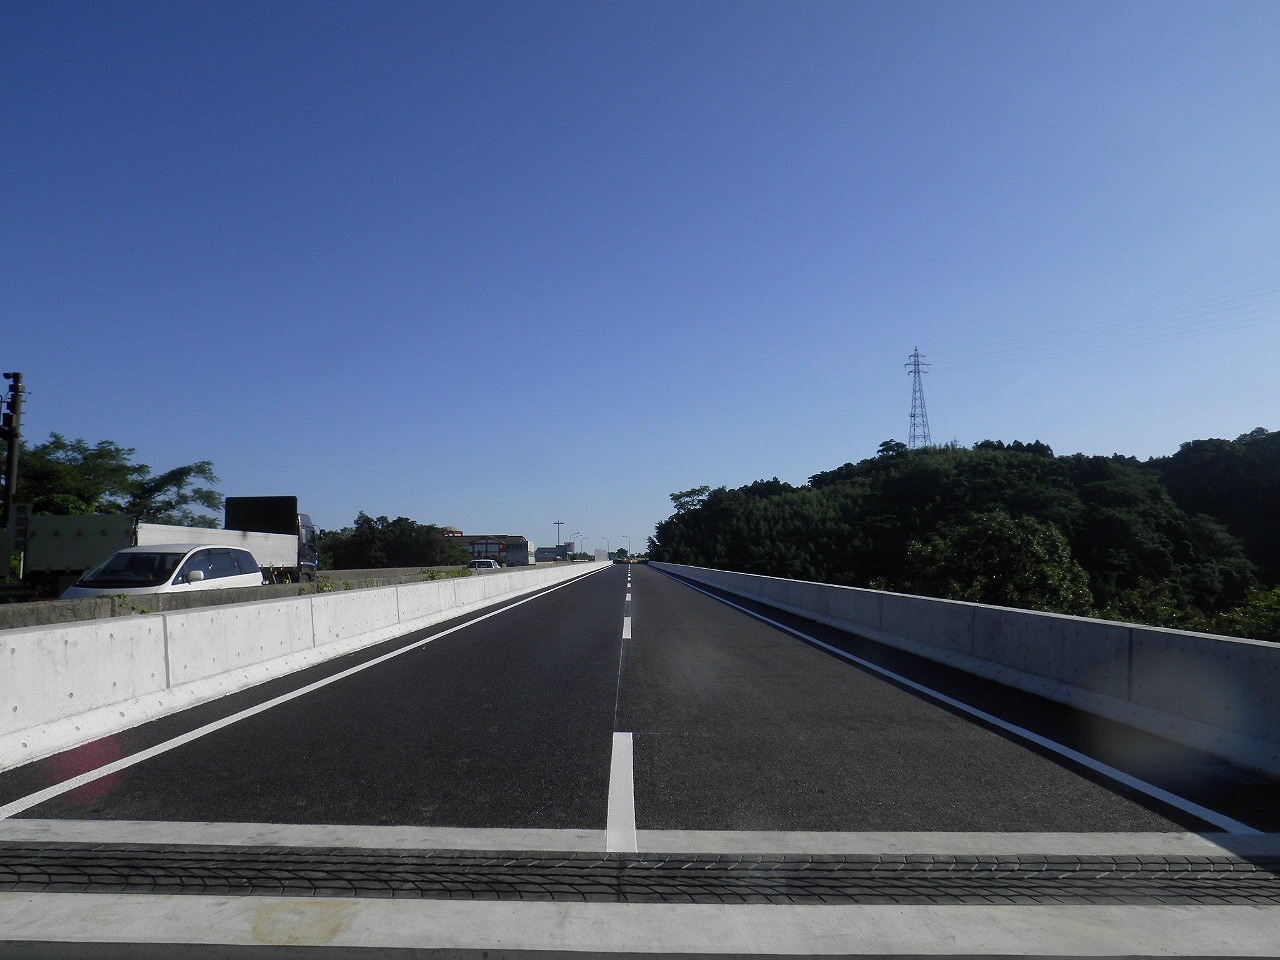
607,549
558,525
628,539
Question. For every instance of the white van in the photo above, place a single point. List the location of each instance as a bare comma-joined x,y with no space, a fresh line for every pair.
168,568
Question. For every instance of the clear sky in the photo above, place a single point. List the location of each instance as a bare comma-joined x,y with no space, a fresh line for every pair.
496,265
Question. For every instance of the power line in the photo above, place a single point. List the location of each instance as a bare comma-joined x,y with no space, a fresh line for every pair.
1240,310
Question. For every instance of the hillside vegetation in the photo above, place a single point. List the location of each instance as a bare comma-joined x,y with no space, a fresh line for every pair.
1189,541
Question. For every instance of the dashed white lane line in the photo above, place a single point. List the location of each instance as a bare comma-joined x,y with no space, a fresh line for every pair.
620,828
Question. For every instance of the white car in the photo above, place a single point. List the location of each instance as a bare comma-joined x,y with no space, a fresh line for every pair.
168,568
484,565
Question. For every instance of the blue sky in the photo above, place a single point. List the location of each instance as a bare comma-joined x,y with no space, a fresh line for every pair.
496,265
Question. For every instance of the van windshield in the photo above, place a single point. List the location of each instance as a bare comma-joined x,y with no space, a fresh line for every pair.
142,569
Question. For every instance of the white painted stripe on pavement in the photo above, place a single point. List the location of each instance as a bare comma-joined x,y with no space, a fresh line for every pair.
620,829
628,598
27,802
626,628
360,836
1219,820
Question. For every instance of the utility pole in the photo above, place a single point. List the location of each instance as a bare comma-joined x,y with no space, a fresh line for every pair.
11,432
919,417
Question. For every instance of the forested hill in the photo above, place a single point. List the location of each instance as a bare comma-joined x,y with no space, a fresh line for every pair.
1191,540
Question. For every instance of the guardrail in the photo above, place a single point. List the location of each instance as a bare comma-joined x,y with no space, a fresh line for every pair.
68,683
1217,694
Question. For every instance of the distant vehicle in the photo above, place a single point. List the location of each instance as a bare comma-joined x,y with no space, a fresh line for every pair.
168,568
484,565
291,562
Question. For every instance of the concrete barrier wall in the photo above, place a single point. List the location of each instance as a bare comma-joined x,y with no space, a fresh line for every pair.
1218,694
66,684
47,676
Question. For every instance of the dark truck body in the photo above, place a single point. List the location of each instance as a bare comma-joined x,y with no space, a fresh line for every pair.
277,515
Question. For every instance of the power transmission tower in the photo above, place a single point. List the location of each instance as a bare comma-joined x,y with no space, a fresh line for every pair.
919,416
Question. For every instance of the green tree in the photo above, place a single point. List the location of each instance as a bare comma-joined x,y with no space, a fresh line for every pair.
62,476
1235,482
687,500
1002,560
383,543
1258,618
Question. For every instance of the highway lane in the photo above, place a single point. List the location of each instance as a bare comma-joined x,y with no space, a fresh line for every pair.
1121,759
506,722
510,721
739,726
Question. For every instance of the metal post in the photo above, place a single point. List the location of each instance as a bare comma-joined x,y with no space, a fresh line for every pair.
11,430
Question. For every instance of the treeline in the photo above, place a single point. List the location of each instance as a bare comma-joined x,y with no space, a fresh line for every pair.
1190,541
382,543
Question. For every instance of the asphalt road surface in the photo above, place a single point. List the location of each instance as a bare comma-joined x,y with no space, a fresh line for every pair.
629,700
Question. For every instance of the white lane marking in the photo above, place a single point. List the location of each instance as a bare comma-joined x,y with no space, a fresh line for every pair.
1219,820
1204,844
628,598
620,828
626,628
66,786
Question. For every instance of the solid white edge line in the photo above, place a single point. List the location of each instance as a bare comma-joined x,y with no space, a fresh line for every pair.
89,776
620,828
1219,820
358,836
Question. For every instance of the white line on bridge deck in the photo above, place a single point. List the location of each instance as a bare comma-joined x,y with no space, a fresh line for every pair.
620,829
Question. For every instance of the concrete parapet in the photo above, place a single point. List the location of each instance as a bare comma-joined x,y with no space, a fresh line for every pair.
935,623
79,667
215,640
339,617
66,684
1218,694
